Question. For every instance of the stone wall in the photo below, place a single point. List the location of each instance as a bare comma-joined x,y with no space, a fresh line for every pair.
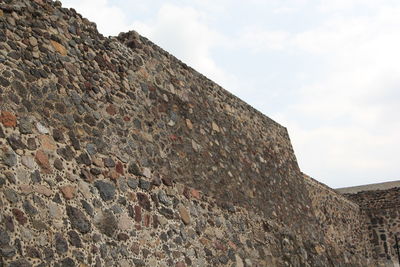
341,222
114,153
381,208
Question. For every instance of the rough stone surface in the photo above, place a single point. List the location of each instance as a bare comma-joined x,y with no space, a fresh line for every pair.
78,220
115,153
107,190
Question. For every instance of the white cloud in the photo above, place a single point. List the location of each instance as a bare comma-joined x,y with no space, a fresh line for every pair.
110,20
183,32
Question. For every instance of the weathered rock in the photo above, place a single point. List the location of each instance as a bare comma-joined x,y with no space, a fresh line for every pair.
106,190
9,159
61,244
144,201
78,220
43,161
68,191
8,119
184,214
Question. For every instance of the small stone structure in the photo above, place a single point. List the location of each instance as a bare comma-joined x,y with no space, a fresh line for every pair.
115,153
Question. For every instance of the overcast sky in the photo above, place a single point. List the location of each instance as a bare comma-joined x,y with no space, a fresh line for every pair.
328,70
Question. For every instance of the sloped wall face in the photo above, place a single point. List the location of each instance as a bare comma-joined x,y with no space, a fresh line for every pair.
381,208
105,143
343,225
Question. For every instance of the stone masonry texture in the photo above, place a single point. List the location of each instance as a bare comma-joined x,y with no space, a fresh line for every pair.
115,153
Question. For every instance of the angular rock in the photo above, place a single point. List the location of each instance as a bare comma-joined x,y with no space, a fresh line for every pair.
9,158
78,220
61,244
144,201
107,190
184,214
43,161
8,119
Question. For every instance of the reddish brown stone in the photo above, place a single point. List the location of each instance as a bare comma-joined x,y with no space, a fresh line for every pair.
195,193
68,191
147,220
59,48
19,216
126,118
119,168
144,201
180,264
8,119
135,248
111,110
113,175
138,214
184,215
47,142
167,181
43,161
219,245
156,223
122,237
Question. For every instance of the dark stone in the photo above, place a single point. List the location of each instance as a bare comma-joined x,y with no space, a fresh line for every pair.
7,251
164,237
67,262
15,142
2,135
31,143
19,88
156,181
88,208
83,158
223,259
133,183
48,254
122,237
4,237
108,224
10,177
25,125
109,162
95,171
74,239
4,82
10,159
66,152
19,216
20,263
29,208
58,164
11,195
134,169
139,262
144,201
78,220
144,184
58,135
167,181
2,181
35,177
61,244
32,252
168,213
90,120
107,190
74,141
9,223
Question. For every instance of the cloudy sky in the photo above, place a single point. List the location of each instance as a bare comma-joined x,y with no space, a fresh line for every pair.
326,69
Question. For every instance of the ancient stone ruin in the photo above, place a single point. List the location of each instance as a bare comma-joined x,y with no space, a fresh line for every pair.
115,153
